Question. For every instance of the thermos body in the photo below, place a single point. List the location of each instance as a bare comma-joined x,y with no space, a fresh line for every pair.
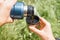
17,11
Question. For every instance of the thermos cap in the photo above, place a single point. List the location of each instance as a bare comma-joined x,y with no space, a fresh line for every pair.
28,10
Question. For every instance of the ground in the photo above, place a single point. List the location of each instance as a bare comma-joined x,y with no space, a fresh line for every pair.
18,30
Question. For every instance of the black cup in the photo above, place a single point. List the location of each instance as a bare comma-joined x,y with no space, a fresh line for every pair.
32,20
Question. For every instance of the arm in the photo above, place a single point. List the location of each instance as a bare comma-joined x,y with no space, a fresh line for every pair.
45,31
5,7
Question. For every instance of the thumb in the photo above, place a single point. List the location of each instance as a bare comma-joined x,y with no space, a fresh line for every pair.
35,30
40,33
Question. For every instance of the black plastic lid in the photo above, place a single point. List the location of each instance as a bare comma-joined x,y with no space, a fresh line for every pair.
30,10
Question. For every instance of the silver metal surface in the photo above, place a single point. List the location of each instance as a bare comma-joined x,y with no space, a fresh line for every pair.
25,10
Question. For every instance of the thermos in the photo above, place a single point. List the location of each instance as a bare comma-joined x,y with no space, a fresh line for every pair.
19,11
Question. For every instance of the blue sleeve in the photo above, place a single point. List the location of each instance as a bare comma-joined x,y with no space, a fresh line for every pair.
57,38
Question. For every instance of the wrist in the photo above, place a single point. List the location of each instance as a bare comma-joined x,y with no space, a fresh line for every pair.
49,38
52,38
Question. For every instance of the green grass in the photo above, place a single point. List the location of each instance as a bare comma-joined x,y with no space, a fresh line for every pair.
18,30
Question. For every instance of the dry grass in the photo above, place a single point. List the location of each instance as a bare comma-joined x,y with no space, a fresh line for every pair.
49,9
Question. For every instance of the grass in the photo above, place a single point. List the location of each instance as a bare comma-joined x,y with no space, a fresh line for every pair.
18,30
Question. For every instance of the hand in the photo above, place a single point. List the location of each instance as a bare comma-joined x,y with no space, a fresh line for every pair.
45,31
5,7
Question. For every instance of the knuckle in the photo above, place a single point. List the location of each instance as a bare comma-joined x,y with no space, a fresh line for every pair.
8,7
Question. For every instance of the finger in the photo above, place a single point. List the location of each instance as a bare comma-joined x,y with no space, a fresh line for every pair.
35,30
9,20
32,25
9,3
1,2
43,20
42,25
36,25
40,33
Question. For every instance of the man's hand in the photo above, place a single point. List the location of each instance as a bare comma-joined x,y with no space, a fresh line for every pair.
45,31
5,7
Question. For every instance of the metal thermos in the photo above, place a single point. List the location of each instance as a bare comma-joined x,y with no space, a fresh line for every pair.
19,11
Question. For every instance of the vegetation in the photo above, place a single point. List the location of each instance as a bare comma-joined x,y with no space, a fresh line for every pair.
18,30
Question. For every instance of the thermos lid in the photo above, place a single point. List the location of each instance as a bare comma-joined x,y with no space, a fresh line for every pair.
30,10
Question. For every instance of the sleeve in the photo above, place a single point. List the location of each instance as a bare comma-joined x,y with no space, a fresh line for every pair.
57,38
